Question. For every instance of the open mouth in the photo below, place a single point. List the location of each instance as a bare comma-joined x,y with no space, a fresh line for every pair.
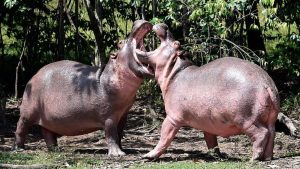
139,48
143,60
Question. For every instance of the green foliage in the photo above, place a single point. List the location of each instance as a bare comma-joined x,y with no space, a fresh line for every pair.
150,92
267,2
156,20
10,3
207,29
285,55
291,106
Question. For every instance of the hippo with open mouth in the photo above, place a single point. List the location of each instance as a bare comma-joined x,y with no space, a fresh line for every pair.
228,96
67,98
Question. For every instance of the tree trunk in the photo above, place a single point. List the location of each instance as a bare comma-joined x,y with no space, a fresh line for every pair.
184,23
36,37
76,31
61,31
153,16
31,32
96,27
254,35
241,36
1,48
18,66
144,2
2,114
133,12
2,14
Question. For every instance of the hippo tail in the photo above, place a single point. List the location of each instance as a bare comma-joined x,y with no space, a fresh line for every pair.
275,104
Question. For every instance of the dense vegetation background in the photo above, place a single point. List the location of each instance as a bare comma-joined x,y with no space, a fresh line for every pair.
35,33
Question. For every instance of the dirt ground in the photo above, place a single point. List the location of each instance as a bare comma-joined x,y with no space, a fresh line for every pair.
142,134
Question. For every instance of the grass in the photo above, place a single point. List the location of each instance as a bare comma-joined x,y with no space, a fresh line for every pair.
82,161
49,159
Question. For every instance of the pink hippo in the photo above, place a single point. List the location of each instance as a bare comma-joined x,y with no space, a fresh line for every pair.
226,97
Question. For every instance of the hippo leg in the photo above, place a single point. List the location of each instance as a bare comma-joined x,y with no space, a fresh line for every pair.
21,132
268,154
212,143
259,135
168,132
112,138
50,139
121,126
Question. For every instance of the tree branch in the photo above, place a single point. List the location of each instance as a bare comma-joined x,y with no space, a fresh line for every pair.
74,26
97,29
18,66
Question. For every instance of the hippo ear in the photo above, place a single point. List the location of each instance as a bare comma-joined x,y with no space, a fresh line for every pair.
176,45
114,55
182,54
121,44
179,53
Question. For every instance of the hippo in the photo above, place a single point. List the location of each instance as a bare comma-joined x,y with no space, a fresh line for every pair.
228,96
67,98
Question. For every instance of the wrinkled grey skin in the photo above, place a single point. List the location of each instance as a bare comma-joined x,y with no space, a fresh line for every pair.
228,96
69,98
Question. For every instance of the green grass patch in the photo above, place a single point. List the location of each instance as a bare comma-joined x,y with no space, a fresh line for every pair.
83,161
50,159
15,158
200,165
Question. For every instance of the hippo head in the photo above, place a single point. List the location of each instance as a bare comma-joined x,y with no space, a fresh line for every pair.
126,54
162,59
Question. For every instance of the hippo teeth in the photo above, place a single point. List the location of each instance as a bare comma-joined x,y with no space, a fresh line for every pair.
150,69
141,47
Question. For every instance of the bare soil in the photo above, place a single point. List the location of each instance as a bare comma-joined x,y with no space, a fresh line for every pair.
142,134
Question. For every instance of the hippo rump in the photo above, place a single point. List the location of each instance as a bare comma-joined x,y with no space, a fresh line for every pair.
67,98
228,96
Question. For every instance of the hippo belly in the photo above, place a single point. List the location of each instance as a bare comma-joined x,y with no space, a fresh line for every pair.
80,118
75,124
221,123
215,126
216,109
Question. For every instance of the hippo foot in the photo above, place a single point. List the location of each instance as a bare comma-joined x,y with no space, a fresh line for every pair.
254,160
215,152
115,152
151,156
268,159
257,158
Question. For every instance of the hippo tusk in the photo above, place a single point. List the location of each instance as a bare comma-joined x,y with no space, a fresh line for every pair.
135,51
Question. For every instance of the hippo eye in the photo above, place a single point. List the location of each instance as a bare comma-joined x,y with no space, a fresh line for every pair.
176,44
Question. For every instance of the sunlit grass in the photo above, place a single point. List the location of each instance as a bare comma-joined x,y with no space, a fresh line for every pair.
82,161
49,159
202,165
